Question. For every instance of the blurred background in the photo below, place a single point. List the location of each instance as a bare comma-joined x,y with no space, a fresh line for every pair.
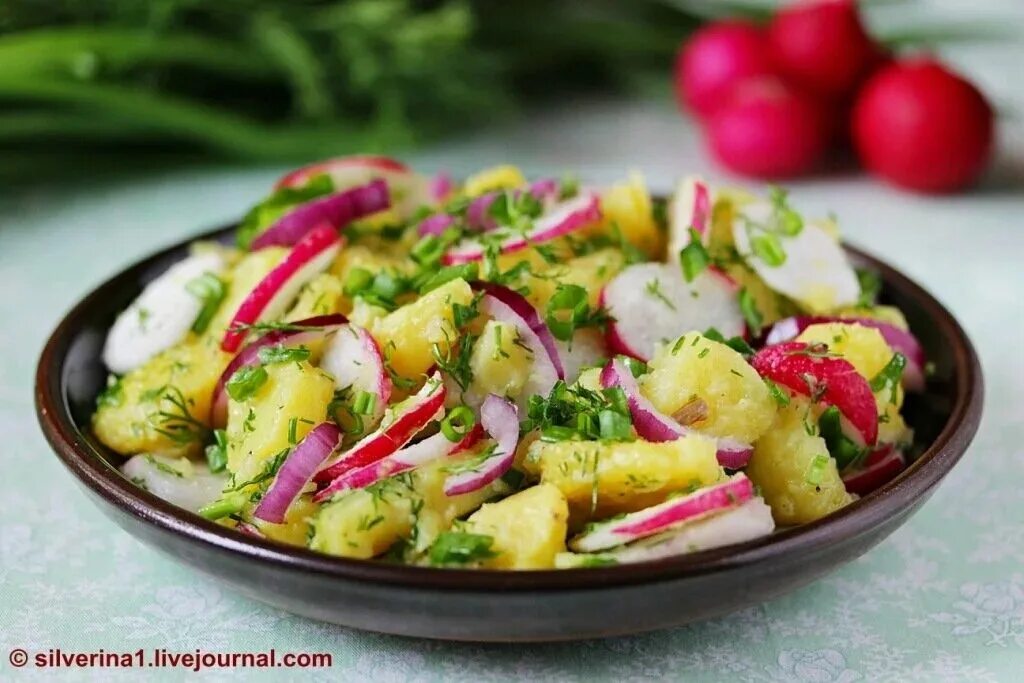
125,85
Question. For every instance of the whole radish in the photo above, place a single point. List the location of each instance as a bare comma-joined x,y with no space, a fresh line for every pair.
923,127
767,128
821,45
717,57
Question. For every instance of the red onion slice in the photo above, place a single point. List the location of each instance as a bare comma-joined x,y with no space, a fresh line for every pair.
297,471
665,516
435,225
898,339
323,325
500,419
336,210
440,188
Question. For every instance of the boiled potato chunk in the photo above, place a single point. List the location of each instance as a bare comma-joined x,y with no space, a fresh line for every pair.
295,528
528,528
695,368
628,206
499,365
868,352
503,177
242,279
322,296
162,406
591,272
784,467
408,335
261,426
600,479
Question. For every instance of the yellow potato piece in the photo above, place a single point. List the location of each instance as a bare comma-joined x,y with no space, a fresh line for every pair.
155,407
695,368
528,528
629,207
783,467
600,479
499,365
241,280
503,177
259,427
295,528
591,272
408,335
322,296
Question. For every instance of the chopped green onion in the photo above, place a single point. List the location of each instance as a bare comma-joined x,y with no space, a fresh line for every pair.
751,314
428,250
457,423
217,452
768,247
554,433
780,395
890,375
210,290
466,271
789,222
461,547
357,281
816,470
636,367
246,382
364,403
229,505
565,310
614,425
386,286
840,446
694,258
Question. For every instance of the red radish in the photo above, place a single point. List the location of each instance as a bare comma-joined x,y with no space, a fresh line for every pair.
876,471
690,208
500,419
420,453
747,522
509,306
301,332
343,169
815,270
808,370
312,255
408,418
409,190
898,339
654,425
561,220
923,127
297,471
651,303
767,128
821,45
715,59
176,480
337,210
665,516
441,188
249,530
355,360
161,316
435,225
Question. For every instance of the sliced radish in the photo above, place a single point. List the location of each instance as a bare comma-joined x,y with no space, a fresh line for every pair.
898,339
747,522
478,213
177,480
517,311
815,271
300,333
409,190
337,210
355,360
651,304
561,220
161,316
420,453
586,350
312,255
408,418
500,419
435,225
653,425
881,467
690,208
297,471
807,370
665,516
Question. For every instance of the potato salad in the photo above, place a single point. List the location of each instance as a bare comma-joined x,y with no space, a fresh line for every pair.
508,374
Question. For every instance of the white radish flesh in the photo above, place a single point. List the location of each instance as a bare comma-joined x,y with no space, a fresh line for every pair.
179,481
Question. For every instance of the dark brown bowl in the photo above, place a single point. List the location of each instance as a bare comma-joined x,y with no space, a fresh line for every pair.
506,606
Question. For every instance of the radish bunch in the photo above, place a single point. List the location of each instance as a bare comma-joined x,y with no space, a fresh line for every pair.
775,100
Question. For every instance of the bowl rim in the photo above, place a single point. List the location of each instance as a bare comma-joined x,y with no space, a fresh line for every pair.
854,520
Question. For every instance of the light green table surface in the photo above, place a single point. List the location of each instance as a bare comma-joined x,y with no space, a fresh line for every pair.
942,599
